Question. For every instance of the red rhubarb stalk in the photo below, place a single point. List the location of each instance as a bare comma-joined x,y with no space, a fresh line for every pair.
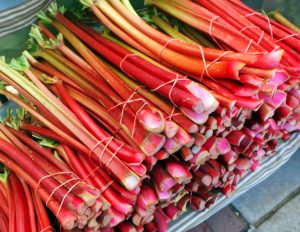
270,60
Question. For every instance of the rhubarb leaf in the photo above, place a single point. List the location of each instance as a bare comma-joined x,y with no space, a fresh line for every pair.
44,18
4,175
36,34
20,113
53,9
86,3
20,64
47,142
3,84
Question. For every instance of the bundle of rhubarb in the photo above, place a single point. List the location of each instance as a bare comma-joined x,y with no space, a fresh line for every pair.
51,183
147,118
21,209
247,61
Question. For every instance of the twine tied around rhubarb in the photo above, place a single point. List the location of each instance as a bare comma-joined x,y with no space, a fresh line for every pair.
267,18
221,56
76,178
47,228
165,47
114,154
286,37
249,27
261,37
173,82
61,185
206,67
105,187
172,114
139,87
135,118
160,86
49,176
93,173
248,47
255,27
114,133
276,48
109,139
127,102
211,29
124,59
65,196
145,103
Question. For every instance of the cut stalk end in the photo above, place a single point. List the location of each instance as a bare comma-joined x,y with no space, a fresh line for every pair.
131,181
199,118
152,120
153,143
270,60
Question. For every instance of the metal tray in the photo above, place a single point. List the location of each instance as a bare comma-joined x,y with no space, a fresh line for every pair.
21,15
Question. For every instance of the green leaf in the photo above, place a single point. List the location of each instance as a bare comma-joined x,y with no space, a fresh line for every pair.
51,44
20,113
175,24
4,175
13,117
147,15
47,142
3,84
48,80
36,35
86,3
77,13
37,136
44,17
54,8
24,98
9,112
32,45
20,63
62,9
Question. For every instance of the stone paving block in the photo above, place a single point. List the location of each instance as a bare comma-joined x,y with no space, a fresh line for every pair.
203,227
286,219
226,221
263,198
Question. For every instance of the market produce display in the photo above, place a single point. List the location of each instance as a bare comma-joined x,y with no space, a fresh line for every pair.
126,128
